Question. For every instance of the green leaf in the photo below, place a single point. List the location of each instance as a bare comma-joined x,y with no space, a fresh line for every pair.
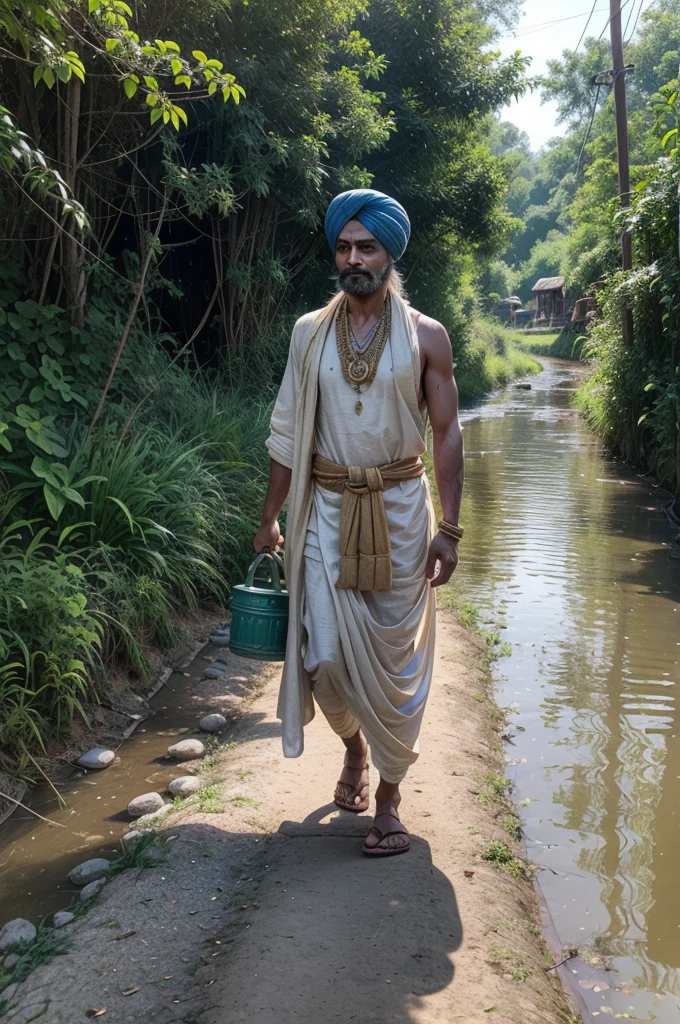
37,74
64,72
151,100
212,88
4,443
181,114
111,44
37,393
200,56
129,87
171,45
150,82
176,66
73,496
48,77
174,118
55,501
15,351
669,135
183,80
156,114
28,371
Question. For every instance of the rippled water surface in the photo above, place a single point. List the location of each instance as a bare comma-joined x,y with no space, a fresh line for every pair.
572,554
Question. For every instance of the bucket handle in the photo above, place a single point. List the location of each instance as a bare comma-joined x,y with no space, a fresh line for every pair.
277,568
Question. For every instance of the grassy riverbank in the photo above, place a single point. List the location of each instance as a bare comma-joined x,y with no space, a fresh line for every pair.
270,894
491,357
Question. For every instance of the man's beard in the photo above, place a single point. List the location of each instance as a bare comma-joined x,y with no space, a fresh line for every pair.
366,283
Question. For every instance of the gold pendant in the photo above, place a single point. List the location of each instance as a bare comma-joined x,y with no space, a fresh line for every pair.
358,407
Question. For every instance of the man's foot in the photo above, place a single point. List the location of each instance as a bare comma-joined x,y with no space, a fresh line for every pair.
351,792
387,836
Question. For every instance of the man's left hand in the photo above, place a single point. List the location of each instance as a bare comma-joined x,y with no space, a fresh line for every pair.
442,559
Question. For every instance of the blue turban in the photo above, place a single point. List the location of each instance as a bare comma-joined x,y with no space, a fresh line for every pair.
383,216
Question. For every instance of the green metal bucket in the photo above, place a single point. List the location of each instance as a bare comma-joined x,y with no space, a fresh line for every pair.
259,611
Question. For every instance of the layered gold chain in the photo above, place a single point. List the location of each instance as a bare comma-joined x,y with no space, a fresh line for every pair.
360,368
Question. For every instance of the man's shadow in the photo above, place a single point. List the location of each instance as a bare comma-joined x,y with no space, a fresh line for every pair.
367,937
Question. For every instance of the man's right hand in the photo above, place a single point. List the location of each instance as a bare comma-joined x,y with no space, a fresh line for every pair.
268,536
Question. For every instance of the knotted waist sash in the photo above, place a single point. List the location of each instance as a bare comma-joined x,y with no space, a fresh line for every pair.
365,552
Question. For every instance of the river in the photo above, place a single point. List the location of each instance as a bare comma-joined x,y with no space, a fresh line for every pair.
571,553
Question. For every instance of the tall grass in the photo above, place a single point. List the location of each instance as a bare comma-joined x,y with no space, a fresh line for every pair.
171,506
489,358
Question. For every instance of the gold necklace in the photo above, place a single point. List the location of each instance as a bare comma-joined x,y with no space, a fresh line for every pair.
361,368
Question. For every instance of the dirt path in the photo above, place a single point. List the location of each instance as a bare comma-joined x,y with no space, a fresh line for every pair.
265,911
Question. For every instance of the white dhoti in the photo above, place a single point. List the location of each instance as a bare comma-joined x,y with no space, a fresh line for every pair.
367,655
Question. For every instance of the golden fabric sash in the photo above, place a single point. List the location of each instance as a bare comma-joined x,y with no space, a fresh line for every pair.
365,553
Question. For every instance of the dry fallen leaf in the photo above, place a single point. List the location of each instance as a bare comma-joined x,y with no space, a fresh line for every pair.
124,935
586,983
187,674
166,977
131,991
95,1013
468,874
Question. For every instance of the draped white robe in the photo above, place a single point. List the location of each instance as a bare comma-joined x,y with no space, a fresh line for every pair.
372,651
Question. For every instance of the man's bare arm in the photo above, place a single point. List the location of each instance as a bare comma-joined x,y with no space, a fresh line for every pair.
441,395
269,534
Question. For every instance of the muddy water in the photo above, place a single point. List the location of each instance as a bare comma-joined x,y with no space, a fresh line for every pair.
571,554
35,857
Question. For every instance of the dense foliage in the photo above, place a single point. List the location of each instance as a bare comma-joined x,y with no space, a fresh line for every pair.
163,178
567,197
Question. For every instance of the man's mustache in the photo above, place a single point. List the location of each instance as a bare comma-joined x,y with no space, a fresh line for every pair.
347,272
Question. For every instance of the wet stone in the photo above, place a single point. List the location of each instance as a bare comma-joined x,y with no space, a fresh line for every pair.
220,631
186,750
89,871
147,803
93,889
18,930
214,673
62,917
98,757
219,640
213,723
186,785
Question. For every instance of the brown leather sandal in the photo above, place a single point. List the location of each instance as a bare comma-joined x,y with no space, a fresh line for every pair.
385,851
345,795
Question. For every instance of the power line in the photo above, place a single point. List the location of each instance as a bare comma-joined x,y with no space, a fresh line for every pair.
540,26
636,22
609,20
587,135
585,28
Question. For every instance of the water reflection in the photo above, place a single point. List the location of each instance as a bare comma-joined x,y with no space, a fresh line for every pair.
573,552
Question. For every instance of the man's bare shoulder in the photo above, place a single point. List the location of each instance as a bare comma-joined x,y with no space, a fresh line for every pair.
432,336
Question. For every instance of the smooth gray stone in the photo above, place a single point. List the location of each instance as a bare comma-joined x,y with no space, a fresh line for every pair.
18,930
93,889
219,640
89,871
221,665
213,723
98,757
62,917
186,785
11,961
147,803
221,631
186,750
135,834
214,673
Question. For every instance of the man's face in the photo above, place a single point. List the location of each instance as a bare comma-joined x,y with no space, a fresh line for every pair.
363,263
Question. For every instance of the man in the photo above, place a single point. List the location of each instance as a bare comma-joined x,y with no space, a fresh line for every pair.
347,435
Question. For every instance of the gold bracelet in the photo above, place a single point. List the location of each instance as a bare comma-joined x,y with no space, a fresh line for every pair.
450,530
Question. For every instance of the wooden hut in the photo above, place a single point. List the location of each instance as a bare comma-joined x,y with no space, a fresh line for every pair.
550,299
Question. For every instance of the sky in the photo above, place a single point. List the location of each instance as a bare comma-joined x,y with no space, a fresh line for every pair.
544,30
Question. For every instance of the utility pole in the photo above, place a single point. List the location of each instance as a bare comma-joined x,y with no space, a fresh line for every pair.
619,75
